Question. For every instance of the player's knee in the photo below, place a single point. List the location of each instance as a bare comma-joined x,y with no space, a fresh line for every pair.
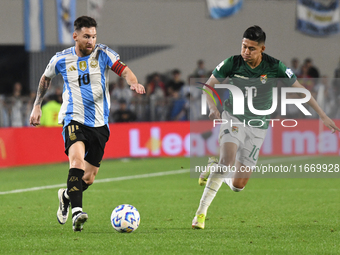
77,163
89,178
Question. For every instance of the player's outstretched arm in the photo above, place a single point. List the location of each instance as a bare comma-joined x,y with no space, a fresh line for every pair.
214,113
131,79
325,119
44,84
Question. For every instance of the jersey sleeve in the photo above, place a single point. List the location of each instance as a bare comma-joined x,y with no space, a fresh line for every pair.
224,69
287,74
51,70
114,62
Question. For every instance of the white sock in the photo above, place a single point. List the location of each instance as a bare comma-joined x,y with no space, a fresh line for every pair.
229,181
214,183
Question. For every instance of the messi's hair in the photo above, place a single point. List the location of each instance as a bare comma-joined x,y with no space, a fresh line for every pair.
84,21
255,33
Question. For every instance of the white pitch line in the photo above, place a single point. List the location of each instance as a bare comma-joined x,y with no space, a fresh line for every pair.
122,178
139,176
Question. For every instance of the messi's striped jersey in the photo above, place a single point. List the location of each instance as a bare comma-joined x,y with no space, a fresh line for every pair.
86,97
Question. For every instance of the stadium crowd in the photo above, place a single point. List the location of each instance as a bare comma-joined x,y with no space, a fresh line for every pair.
168,97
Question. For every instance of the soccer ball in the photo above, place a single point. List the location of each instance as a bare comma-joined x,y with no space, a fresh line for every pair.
125,218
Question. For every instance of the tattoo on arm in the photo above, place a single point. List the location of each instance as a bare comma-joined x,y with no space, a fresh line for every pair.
43,87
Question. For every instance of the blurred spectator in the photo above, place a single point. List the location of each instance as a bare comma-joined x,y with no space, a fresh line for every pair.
155,86
121,91
190,87
176,83
336,80
50,110
295,66
123,114
292,111
140,106
305,79
193,96
16,106
312,70
179,107
200,71
112,85
4,118
325,96
194,108
28,107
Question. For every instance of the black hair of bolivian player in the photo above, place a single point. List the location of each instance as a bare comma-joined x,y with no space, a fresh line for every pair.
255,33
84,21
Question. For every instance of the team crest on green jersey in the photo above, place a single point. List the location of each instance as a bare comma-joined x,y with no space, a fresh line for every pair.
263,78
82,65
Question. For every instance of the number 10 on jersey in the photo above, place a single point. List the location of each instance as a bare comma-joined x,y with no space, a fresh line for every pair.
84,79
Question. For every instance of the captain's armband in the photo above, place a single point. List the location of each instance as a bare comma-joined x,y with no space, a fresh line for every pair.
118,67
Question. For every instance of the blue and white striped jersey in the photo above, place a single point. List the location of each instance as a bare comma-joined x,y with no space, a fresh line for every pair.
86,97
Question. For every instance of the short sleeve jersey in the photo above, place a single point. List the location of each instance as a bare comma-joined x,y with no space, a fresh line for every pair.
86,97
262,78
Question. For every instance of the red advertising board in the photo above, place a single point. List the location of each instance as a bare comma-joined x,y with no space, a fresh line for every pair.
308,137
28,146
148,139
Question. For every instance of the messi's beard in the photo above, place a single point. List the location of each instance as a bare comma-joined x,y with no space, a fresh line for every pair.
85,52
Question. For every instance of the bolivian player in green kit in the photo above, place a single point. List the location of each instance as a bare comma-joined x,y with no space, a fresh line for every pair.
240,144
261,79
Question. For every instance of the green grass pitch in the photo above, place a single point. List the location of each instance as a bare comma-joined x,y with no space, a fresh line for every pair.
271,216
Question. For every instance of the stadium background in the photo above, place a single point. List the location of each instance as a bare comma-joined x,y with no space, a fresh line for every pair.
185,27
159,36
272,216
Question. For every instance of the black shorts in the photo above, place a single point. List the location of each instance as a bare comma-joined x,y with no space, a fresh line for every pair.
94,139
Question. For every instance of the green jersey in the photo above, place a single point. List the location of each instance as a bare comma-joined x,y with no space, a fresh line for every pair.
262,79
